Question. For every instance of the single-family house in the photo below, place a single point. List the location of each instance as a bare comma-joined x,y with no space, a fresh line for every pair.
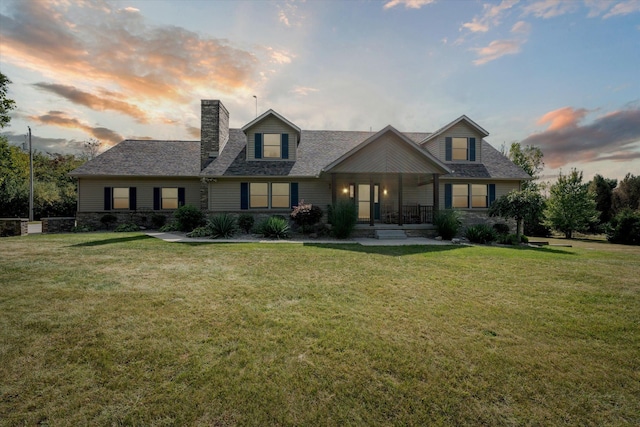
270,164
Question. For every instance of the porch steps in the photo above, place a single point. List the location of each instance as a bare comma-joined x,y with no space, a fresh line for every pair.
390,234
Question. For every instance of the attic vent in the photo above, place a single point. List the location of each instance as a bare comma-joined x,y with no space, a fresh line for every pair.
213,154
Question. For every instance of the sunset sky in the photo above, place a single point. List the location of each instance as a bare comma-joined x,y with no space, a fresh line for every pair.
564,76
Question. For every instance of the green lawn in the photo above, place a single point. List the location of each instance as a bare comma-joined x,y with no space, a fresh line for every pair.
122,329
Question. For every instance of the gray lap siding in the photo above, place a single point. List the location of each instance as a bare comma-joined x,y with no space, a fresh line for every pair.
91,191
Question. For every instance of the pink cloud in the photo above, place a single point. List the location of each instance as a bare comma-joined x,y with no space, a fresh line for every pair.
562,117
613,136
408,4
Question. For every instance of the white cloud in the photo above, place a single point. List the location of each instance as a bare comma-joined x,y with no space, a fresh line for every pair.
304,91
408,4
497,49
550,8
521,27
280,56
491,16
623,8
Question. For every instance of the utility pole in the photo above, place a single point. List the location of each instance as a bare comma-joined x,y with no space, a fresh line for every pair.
256,105
30,177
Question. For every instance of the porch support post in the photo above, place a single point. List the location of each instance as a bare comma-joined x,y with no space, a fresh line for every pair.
436,193
371,205
333,188
400,213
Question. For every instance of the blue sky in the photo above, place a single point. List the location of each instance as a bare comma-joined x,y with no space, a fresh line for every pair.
560,75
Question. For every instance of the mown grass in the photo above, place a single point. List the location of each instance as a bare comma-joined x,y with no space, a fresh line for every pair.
122,329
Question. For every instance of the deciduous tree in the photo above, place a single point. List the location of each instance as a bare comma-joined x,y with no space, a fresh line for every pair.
518,205
571,206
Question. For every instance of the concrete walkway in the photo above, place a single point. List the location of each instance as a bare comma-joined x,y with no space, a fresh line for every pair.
181,238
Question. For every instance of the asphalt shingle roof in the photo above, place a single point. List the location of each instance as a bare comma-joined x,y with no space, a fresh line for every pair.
316,150
145,158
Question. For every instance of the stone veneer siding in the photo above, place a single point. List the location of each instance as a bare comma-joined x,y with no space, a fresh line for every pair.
140,218
58,225
14,227
214,134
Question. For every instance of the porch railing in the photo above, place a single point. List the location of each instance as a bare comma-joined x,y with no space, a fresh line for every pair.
411,214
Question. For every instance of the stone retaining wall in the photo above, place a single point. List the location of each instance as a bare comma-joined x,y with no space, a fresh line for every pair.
58,225
14,227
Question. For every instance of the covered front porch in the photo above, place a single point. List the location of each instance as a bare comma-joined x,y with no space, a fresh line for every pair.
390,179
396,198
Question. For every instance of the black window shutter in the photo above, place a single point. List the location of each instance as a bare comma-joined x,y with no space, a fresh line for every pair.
156,198
244,195
448,148
492,194
258,146
447,196
181,196
472,149
132,198
107,198
284,141
294,194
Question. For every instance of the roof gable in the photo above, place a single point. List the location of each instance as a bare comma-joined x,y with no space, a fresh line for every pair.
265,115
388,151
445,128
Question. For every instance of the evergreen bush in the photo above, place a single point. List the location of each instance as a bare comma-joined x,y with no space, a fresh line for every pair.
624,228
189,217
246,222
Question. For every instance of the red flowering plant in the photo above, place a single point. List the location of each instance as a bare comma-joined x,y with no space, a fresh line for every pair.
306,214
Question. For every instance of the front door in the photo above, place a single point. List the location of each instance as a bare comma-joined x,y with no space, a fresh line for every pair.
364,202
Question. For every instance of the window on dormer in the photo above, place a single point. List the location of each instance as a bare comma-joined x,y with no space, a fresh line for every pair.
460,148
272,146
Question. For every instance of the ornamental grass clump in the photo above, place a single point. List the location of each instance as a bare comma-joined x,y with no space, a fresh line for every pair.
480,233
447,223
305,215
222,226
274,227
343,218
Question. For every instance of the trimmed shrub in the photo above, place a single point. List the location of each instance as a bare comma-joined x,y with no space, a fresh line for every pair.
222,226
167,228
510,239
447,223
501,228
343,218
306,214
481,233
108,220
200,232
245,222
189,217
624,228
82,229
158,220
274,227
127,227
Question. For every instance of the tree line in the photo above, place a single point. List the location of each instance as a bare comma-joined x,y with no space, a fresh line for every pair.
54,191
602,205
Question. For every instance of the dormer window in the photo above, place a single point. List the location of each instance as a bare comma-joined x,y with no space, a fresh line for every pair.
272,146
460,149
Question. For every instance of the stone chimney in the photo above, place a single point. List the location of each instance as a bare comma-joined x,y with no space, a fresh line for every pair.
214,130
